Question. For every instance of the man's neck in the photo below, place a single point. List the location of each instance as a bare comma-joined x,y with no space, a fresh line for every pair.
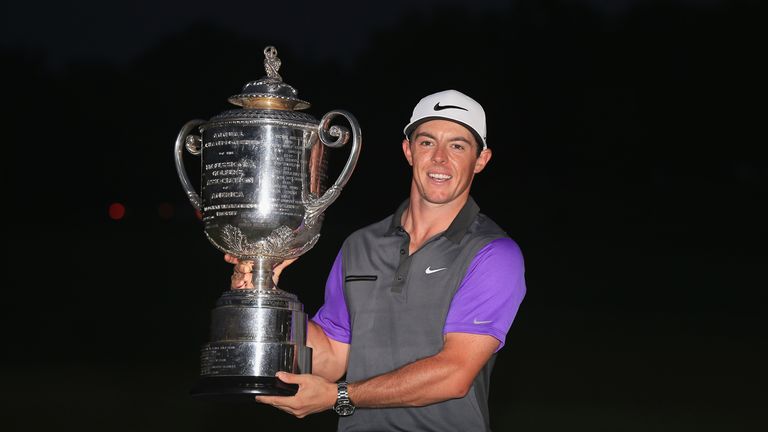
423,220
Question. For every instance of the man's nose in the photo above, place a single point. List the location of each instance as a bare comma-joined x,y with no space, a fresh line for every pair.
438,154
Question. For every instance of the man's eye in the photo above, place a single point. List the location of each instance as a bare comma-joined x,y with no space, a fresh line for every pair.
458,146
425,143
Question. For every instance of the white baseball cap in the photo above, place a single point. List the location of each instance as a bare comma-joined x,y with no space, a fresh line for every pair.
450,105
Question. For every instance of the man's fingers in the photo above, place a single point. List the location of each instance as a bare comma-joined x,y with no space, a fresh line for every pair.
242,280
244,267
280,402
289,378
239,284
242,277
279,268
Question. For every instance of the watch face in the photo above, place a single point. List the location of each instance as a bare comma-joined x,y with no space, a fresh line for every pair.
344,409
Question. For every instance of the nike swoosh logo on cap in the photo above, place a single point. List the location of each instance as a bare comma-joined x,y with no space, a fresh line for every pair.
438,107
430,271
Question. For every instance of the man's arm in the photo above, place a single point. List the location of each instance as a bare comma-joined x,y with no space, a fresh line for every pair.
329,357
445,375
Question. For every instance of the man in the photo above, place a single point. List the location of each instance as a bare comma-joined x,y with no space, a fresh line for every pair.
416,305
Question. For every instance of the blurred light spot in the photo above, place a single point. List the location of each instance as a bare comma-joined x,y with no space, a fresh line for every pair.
198,214
165,211
116,211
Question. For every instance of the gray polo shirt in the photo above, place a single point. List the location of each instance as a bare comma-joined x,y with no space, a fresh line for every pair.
397,307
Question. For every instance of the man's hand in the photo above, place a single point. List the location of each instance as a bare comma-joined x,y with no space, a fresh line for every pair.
242,277
315,394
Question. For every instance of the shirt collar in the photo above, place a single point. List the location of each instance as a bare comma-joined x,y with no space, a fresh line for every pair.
455,231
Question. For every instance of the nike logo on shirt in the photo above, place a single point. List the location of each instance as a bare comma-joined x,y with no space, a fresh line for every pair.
481,322
430,271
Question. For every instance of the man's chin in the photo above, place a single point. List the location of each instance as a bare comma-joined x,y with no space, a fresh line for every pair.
440,200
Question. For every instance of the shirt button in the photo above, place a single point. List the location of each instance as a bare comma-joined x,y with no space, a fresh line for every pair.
399,278
402,251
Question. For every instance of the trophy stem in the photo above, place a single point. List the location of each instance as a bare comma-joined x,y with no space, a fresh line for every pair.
262,273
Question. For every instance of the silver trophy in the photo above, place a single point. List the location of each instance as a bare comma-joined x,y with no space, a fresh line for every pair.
264,191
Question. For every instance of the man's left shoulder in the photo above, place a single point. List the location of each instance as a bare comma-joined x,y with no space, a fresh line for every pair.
484,226
502,248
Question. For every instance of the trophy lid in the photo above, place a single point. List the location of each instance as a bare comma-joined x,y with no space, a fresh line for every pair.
269,92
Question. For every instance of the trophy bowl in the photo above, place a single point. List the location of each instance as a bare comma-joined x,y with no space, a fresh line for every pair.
263,194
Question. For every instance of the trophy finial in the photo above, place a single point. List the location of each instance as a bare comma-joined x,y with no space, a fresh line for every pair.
269,92
272,63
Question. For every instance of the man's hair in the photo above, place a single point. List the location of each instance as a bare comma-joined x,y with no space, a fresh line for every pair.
474,140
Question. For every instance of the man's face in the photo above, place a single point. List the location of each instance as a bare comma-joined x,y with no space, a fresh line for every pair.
444,158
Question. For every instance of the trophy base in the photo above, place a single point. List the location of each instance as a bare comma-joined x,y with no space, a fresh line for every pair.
234,388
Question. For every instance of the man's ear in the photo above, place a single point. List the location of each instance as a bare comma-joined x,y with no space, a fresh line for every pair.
482,160
407,151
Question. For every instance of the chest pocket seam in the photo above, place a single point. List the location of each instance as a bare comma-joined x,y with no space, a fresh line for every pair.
359,278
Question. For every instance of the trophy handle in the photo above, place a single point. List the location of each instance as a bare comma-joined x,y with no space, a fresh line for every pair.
336,136
193,145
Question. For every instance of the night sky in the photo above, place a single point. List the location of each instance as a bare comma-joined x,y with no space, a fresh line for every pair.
629,164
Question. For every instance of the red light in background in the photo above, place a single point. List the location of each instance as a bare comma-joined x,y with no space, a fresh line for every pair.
165,211
198,214
116,211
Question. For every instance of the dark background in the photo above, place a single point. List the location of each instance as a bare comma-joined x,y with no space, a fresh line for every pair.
629,164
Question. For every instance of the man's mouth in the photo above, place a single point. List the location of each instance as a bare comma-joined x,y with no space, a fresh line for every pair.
439,176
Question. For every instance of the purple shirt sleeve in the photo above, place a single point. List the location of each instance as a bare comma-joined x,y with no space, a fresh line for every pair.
333,316
487,300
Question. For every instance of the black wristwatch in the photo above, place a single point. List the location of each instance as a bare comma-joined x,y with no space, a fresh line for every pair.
343,405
